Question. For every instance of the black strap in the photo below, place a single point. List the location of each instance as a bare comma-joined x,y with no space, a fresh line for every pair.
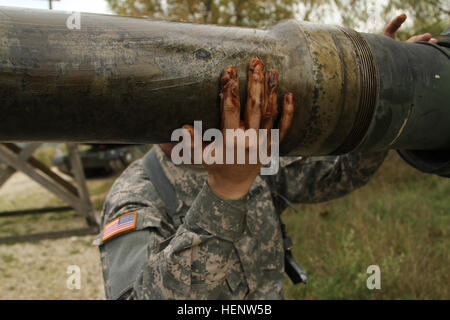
162,185
291,266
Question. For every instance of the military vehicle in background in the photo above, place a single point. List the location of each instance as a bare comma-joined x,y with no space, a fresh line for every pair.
102,159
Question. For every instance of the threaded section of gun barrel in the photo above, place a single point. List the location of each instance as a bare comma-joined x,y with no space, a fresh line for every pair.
368,93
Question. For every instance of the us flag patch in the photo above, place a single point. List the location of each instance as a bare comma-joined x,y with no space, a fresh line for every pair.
123,223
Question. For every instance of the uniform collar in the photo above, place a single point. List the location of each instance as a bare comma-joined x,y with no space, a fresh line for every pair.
186,179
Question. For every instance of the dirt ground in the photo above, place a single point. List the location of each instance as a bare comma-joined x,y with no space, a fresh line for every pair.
38,270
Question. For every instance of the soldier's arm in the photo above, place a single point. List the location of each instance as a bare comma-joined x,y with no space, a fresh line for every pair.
233,180
198,254
155,261
318,179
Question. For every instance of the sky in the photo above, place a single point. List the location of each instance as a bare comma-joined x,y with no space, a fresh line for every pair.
94,6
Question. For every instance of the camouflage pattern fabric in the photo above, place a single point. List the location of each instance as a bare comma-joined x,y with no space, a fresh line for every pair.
221,249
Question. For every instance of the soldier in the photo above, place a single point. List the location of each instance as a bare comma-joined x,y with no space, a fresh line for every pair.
213,232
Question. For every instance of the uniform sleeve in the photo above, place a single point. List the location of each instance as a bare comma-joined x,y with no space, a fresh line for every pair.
155,261
198,254
318,179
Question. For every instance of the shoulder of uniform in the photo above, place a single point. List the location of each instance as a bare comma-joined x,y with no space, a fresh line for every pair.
132,190
133,178
285,161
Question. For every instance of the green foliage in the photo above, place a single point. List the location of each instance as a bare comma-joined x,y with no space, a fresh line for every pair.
46,152
236,12
426,16
400,221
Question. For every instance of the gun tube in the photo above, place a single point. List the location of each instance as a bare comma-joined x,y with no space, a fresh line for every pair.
133,80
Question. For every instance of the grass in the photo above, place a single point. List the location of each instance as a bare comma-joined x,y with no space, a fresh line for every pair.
47,151
399,221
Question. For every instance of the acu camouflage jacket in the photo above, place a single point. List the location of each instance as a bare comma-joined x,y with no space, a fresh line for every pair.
222,249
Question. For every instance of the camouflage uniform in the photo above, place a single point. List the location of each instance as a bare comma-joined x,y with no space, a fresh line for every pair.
222,249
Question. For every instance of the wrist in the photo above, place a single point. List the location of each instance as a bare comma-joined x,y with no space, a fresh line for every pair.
223,218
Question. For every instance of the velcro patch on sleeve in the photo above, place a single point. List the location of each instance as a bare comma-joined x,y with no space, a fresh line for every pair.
123,223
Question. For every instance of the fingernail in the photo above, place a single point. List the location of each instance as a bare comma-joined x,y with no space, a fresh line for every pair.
229,73
255,62
289,97
434,40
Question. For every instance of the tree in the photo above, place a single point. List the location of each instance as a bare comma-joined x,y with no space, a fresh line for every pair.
370,16
252,13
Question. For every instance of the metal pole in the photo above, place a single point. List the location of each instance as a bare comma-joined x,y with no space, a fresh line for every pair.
131,80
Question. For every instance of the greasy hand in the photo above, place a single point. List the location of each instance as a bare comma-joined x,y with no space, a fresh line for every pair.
395,24
232,181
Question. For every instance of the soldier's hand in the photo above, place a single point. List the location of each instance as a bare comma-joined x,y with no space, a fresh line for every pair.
232,181
391,29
